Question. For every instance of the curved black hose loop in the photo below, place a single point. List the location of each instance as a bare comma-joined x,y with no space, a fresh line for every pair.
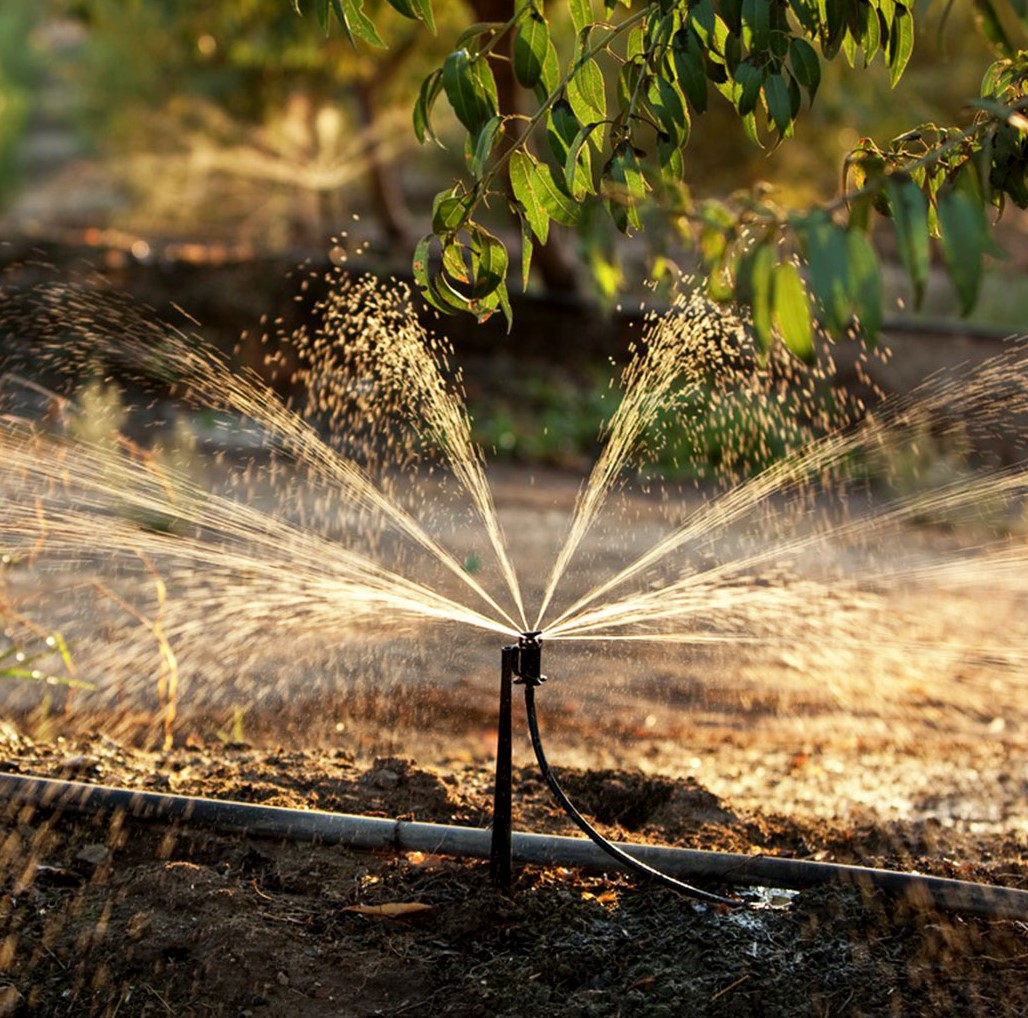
594,835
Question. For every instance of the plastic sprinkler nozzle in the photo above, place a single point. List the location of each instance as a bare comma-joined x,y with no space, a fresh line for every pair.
529,661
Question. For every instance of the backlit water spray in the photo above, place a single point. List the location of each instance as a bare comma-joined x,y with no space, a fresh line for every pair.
323,513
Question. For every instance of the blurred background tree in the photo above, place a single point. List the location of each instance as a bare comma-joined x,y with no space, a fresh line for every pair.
243,122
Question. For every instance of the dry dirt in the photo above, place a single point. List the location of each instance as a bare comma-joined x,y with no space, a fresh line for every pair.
114,916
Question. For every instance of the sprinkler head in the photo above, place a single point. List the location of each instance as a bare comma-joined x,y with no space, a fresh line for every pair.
528,660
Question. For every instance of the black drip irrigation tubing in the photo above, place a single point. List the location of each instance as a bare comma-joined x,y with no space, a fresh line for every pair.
375,834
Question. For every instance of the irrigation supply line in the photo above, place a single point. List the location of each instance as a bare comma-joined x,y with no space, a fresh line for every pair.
375,834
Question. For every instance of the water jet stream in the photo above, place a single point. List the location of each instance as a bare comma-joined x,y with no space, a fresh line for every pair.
247,575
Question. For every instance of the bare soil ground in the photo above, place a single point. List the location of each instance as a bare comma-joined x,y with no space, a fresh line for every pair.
113,916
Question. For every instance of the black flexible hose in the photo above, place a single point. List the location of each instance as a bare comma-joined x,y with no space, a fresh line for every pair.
626,860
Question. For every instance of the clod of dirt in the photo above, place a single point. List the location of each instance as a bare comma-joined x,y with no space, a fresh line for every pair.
634,801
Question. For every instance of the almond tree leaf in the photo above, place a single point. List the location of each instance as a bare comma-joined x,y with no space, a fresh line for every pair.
586,93
578,164
702,19
963,237
489,262
687,60
464,87
550,77
503,299
749,126
827,254
668,104
449,211
351,15
624,187
749,78
423,278
484,145
779,104
522,182
756,20
849,48
561,127
806,67
427,95
423,9
526,251
909,209
872,33
404,7
581,13
530,44
567,143
792,310
900,45
864,282
454,265
559,205
321,13
762,282
417,10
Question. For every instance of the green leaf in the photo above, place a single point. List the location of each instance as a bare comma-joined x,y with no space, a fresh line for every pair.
586,93
827,253
806,67
864,282
581,13
559,205
550,77
749,78
522,181
756,21
567,142
578,163
687,58
484,145
418,10
762,281
423,278
779,103
427,95
872,33
453,261
792,310
900,45
356,23
489,262
530,44
668,106
702,19
909,209
450,211
625,186
526,251
463,82
963,236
